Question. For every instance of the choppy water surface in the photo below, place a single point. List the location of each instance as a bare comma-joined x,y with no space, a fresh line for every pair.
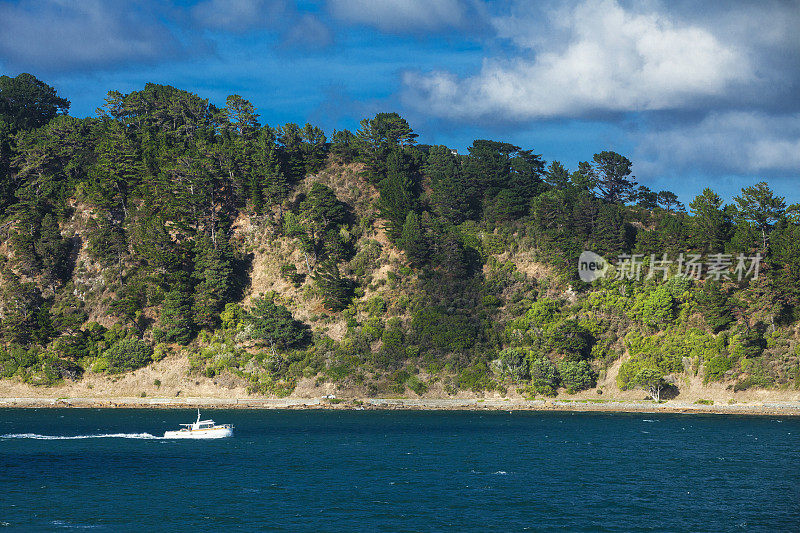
109,470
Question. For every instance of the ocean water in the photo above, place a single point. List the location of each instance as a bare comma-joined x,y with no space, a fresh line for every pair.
107,470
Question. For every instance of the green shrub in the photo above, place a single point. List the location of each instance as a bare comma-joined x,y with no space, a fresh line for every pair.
366,259
475,378
750,343
667,350
50,370
657,308
274,324
576,375
572,340
542,312
527,328
716,368
232,316
432,327
289,273
393,348
490,300
417,385
376,306
493,243
372,329
514,362
17,358
74,346
128,354
753,381
643,374
544,376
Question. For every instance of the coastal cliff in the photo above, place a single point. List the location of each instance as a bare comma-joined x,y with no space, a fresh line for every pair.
170,248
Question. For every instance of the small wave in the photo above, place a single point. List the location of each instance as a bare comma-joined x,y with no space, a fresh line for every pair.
66,525
648,420
501,473
36,436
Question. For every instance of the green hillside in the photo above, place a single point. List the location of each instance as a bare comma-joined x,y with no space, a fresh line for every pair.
168,227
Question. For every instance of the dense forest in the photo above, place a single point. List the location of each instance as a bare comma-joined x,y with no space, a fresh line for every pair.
169,227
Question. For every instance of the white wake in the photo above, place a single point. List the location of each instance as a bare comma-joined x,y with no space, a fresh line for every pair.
74,437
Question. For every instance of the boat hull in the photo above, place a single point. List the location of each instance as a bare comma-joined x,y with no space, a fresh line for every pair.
213,433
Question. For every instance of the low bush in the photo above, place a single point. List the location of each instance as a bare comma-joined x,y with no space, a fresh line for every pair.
475,378
576,375
128,354
544,376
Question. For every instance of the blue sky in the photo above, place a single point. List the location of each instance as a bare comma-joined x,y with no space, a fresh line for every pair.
697,94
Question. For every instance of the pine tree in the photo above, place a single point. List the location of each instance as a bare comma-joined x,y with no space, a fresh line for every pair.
27,102
291,139
343,146
413,240
320,214
275,324
20,303
213,276
6,183
53,250
449,191
269,181
242,116
176,314
557,175
610,175
314,148
378,137
337,292
399,191
711,226
668,200
118,168
23,239
759,205
713,303
107,243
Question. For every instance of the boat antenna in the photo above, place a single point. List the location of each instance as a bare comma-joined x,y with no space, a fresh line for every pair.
198,414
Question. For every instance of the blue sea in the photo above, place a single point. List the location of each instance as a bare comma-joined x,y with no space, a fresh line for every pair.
313,470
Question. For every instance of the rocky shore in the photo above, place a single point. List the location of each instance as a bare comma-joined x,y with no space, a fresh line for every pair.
611,406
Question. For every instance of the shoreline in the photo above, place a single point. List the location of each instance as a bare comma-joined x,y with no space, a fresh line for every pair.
449,404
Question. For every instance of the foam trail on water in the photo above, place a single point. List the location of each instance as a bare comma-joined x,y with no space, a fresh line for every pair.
74,437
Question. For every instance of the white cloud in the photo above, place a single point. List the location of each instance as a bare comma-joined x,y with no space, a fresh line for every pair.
407,16
736,141
64,35
239,15
601,58
308,33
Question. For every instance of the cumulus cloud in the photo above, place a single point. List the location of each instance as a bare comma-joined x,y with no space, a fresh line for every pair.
410,16
741,142
308,32
61,35
597,57
239,15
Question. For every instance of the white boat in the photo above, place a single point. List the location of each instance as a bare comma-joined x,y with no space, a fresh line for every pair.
201,429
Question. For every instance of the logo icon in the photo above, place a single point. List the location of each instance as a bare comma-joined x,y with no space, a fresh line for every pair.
591,266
